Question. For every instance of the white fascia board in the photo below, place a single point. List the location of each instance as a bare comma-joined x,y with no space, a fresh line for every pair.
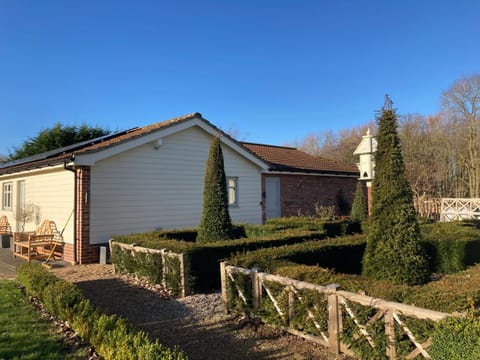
308,173
31,172
156,136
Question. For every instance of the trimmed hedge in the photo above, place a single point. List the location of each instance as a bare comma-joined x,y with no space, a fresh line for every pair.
202,260
111,336
451,246
342,254
456,339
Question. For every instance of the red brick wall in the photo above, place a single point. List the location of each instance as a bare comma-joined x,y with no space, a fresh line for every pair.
86,253
68,253
300,193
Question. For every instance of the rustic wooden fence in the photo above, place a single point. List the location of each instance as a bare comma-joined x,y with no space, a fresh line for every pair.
164,269
427,207
339,308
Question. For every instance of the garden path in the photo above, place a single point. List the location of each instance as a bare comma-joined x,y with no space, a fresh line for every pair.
196,323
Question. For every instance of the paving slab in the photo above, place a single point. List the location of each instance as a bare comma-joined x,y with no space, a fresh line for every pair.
8,264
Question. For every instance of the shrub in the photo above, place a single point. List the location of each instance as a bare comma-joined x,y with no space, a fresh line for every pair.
112,336
451,247
393,247
456,339
215,223
359,211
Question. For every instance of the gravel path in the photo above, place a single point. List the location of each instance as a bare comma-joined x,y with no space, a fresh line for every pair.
196,323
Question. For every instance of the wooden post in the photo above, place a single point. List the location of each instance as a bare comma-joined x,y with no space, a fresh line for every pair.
183,283
223,280
256,290
291,305
334,321
164,269
110,244
390,332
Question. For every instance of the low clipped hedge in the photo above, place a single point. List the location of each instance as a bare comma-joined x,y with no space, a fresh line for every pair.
111,336
343,254
450,247
456,339
453,246
202,260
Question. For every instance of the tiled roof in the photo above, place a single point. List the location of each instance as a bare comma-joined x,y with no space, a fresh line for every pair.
279,158
282,158
59,156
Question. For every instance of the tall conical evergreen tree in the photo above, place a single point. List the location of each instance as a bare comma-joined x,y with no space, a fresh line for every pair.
359,211
393,245
215,223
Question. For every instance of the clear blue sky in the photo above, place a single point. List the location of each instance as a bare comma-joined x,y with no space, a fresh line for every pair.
273,70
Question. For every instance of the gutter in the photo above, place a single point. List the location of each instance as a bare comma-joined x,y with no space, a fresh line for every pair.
72,169
324,174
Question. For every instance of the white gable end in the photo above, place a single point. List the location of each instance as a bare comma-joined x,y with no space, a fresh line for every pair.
159,185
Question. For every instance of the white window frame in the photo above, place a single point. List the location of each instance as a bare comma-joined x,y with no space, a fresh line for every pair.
7,193
232,190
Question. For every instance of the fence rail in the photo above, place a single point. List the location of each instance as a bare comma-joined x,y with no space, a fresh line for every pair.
453,209
164,269
340,307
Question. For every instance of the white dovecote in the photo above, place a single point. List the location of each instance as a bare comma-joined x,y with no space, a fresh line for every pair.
366,150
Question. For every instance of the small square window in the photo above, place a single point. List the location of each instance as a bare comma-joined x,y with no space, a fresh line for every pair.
232,188
7,196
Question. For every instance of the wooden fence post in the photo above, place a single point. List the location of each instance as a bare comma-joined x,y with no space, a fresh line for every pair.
183,283
390,332
164,269
256,290
223,280
110,244
291,305
334,320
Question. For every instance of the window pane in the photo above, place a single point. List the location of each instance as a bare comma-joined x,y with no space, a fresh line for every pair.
232,190
7,196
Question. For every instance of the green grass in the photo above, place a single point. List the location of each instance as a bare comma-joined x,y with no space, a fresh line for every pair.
23,333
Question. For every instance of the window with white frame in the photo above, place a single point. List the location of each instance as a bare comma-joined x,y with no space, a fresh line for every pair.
232,188
7,196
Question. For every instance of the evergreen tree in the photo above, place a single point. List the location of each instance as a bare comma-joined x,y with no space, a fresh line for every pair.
393,245
215,223
359,211
56,137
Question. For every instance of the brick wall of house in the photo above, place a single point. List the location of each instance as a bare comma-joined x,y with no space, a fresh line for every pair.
301,193
86,253
68,253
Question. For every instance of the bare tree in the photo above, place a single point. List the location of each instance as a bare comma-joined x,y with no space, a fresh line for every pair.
24,214
336,146
461,107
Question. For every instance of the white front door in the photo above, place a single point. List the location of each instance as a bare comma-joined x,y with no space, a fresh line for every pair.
272,197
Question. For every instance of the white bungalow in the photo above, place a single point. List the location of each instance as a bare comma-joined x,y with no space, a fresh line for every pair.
137,180
151,178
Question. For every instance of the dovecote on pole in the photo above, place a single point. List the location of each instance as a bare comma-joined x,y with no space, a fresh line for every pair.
366,150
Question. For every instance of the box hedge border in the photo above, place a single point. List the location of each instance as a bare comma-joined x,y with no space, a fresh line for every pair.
112,337
202,260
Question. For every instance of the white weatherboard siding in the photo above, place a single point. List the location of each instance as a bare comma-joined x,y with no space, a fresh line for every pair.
144,189
51,190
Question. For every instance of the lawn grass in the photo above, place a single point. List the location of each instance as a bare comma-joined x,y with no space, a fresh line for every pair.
23,333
